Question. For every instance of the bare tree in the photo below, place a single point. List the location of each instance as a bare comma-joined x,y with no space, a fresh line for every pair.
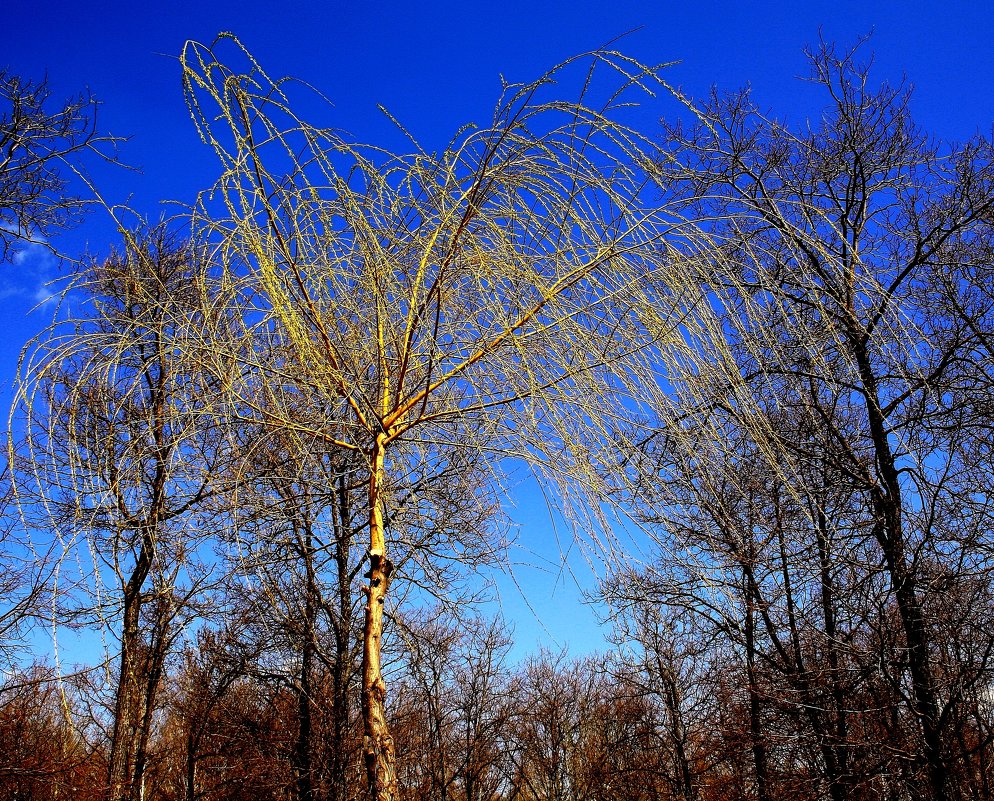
228,729
849,254
578,733
294,565
39,145
483,297
46,753
296,560
209,670
455,707
672,655
125,452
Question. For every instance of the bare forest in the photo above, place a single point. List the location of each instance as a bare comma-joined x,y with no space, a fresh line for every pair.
262,455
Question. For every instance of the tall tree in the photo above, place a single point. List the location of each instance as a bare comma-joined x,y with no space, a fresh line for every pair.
482,297
849,253
125,452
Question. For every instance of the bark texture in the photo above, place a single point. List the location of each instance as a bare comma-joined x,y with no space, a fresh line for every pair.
378,747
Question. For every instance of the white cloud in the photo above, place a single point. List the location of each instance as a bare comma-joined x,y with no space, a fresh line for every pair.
30,274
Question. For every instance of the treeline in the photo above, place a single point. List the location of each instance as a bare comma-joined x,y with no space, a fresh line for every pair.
660,718
266,463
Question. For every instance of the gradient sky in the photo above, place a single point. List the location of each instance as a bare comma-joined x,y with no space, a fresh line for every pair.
436,66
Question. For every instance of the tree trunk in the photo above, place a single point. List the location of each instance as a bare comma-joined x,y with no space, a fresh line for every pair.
678,730
378,747
839,781
304,747
191,765
756,735
152,666
342,625
137,681
340,710
889,531
127,712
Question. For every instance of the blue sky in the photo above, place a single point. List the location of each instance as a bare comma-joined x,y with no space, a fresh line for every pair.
435,66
